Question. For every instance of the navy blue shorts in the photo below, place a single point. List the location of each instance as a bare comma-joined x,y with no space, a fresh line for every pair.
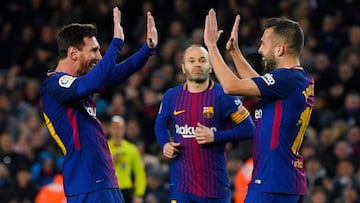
112,195
178,197
260,197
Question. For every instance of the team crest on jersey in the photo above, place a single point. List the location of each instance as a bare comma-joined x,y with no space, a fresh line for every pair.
66,81
208,111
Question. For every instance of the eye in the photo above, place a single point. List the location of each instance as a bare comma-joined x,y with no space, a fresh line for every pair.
202,60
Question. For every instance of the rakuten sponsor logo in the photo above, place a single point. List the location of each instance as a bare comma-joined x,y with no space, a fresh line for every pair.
188,131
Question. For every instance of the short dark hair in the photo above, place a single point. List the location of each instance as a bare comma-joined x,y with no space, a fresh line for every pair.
290,31
73,35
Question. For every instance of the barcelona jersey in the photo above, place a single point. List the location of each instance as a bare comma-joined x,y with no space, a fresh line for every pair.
287,98
70,114
198,169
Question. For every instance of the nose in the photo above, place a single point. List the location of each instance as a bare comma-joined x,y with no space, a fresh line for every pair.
98,55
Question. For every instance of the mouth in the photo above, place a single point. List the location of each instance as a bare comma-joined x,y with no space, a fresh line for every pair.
92,65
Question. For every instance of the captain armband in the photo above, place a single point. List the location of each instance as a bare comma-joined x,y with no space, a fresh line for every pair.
241,114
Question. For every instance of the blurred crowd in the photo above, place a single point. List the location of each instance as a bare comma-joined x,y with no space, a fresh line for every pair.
30,159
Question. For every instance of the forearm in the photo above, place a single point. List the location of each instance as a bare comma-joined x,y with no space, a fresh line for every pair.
225,76
131,64
243,130
242,66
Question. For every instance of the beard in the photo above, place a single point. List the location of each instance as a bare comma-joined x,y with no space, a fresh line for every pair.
197,79
85,67
269,62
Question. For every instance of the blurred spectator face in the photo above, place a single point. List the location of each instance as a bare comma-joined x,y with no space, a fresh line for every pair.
307,151
23,178
345,169
354,36
48,166
326,137
318,196
133,129
117,106
349,195
328,24
353,59
343,149
176,29
345,72
6,143
353,135
352,102
322,62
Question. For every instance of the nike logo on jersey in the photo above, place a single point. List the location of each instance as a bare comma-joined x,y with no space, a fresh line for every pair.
99,181
178,112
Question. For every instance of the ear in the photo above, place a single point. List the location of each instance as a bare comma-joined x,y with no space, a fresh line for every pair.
183,68
72,53
280,50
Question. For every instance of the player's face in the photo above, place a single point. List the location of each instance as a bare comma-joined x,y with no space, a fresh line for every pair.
266,49
89,55
196,65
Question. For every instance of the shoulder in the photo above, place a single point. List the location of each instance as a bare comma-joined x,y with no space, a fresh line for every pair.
59,79
172,91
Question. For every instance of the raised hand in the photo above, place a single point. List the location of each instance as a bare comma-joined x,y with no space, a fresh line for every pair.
232,43
118,30
151,33
211,32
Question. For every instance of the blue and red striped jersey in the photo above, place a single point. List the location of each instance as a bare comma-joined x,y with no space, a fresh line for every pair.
287,98
198,169
70,114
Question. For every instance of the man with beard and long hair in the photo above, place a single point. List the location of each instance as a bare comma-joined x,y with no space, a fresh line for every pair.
287,97
203,119
70,112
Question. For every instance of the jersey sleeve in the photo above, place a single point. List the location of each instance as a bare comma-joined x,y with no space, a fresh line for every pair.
242,126
130,65
163,120
276,84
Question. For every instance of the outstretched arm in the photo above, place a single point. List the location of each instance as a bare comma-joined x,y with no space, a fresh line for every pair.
229,81
138,60
242,66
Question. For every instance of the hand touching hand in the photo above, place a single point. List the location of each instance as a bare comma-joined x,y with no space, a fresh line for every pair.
204,135
232,43
151,34
118,30
211,32
171,149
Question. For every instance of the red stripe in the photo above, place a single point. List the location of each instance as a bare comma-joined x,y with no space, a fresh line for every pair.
194,119
276,125
73,123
